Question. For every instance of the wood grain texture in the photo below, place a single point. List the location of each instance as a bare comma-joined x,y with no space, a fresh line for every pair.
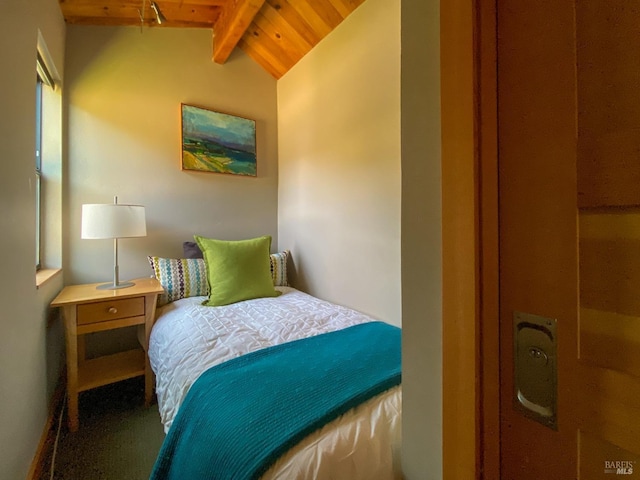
235,19
460,241
150,304
608,74
274,33
602,459
576,265
80,294
265,54
610,340
87,309
110,310
489,264
611,414
538,221
109,325
195,13
610,274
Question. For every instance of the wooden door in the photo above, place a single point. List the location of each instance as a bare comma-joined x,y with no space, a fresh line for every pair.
569,208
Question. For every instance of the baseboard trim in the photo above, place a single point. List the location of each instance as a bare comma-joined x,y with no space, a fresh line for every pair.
42,458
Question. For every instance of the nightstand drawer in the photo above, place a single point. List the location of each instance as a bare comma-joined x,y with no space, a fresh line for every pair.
88,309
110,310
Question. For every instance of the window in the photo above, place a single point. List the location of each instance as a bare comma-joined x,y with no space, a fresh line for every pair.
44,80
46,186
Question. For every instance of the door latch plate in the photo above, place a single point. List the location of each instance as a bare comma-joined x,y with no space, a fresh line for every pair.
535,367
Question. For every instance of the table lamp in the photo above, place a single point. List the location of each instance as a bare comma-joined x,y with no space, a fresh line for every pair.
114,221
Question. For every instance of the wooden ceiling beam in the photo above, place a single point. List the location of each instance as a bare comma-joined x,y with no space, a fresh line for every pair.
275,33
138,3
188,3
133,22
345,7
128,13
263,56
229,29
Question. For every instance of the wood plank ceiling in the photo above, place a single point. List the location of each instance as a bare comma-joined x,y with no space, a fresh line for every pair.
274,33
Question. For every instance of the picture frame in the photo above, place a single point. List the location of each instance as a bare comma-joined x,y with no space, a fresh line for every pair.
217,142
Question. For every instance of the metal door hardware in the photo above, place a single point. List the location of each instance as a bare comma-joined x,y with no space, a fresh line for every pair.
535,367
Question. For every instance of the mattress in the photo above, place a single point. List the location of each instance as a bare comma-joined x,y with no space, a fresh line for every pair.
188,338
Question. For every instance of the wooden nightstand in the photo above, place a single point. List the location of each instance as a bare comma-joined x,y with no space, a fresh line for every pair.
85,310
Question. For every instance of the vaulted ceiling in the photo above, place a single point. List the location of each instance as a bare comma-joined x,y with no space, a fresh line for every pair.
275,33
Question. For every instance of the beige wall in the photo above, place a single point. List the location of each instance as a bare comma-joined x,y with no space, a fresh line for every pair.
28,369
343,184
124,90
339,154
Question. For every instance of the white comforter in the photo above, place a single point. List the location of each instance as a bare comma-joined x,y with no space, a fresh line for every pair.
188,338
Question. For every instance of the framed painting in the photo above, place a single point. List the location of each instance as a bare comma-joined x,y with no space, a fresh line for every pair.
218,142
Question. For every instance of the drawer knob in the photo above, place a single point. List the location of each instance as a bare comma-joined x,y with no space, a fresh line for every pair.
112,310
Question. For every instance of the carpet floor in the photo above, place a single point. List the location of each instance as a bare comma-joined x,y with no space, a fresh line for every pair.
118,438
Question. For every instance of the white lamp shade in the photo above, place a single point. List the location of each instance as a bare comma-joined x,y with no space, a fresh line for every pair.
113,221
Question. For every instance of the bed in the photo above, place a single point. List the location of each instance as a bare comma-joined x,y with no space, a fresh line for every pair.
190,340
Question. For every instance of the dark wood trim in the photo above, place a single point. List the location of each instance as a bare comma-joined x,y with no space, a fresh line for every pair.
489,363
42,458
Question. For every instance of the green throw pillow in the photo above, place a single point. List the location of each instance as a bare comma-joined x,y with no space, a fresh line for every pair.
237,270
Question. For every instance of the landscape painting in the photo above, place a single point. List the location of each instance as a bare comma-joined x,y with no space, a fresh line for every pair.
218,142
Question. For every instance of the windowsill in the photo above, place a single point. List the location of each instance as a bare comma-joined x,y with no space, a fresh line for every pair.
45,274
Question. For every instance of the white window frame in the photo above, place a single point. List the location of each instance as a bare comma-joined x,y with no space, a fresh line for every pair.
43,77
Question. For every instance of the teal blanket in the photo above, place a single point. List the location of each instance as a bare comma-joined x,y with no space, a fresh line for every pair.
240,416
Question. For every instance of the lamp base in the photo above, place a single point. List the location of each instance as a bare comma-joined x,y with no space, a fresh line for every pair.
113,286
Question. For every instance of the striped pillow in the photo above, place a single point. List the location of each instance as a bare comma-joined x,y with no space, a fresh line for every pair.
279,268
180,277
